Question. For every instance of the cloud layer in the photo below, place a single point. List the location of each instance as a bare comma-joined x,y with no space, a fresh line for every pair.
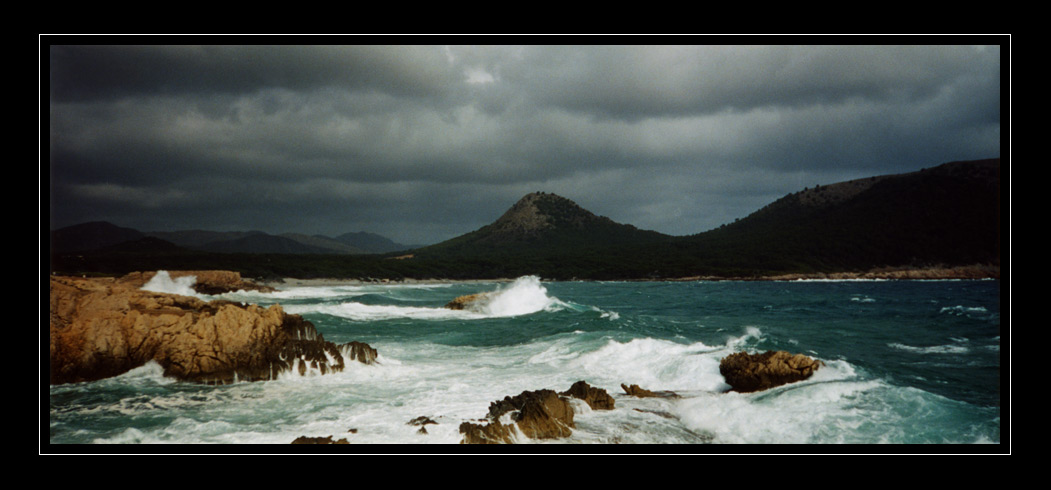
424,143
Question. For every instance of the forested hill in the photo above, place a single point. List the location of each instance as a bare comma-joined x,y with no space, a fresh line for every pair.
946,215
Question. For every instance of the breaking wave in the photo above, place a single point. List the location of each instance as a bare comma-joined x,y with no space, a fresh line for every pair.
526,295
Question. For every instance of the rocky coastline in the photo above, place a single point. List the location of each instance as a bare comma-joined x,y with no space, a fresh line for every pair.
546,414
103,327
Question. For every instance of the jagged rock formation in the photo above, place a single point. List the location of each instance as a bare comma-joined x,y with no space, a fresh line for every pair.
422,422
755,372
104,327
538,414
596,398
541,414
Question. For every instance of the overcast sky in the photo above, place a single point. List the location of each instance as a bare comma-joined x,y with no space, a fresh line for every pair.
425,143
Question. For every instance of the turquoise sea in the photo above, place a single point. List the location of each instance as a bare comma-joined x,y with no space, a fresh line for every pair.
907,363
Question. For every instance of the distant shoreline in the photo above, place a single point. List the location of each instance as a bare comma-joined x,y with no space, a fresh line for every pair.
888,273
973,272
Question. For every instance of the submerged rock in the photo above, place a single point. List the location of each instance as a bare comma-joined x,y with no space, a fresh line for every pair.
104,327
755,372
466,301
636,391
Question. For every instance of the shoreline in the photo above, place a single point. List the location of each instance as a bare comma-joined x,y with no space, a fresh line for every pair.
974,272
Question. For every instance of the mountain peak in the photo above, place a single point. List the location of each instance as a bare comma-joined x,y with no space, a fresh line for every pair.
540,211
542,221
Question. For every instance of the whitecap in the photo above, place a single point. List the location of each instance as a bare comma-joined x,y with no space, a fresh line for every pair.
963,310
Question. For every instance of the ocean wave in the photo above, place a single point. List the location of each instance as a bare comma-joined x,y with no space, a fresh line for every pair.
525,296
751,335
800,413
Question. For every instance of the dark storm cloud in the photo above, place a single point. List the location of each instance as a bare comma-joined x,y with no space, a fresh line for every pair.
90,72
425,143
633,82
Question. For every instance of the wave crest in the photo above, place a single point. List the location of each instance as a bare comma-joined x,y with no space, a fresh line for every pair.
523,296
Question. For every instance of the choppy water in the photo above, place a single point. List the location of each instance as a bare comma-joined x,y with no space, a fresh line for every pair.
907,362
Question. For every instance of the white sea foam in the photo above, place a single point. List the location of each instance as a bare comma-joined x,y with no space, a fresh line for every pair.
162,282
151,372
798,413
656,364
352,310
963,310
316,292
934,349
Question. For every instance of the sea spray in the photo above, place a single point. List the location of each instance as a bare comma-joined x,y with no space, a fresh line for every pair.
523,296
162,282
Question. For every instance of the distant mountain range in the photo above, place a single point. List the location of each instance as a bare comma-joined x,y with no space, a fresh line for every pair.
948,215
101,235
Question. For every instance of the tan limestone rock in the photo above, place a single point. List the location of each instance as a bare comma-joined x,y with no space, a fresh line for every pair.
104,327
754,372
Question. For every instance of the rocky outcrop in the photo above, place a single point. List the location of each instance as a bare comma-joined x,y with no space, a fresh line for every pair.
596,398
104,327
541,414
422,422
636,391
207,282
755,372
466,301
